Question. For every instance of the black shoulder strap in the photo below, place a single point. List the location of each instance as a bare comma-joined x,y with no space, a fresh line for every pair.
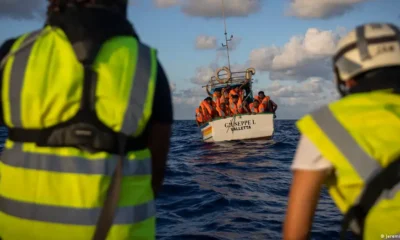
87,110
384,180
107,214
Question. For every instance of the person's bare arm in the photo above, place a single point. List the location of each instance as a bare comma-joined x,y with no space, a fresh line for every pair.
159,141
274,106
303,200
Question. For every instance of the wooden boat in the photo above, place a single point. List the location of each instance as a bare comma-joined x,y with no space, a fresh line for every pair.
238,127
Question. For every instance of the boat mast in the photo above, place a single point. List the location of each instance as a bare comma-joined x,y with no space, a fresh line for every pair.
226,45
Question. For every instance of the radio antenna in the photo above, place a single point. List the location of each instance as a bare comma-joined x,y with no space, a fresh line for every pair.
226,45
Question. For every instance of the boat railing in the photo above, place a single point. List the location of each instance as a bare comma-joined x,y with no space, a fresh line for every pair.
236,78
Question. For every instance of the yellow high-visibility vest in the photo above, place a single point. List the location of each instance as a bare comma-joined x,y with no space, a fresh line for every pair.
360,136
57,192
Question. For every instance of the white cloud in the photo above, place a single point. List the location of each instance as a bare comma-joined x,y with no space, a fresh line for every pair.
301,58
203,74
324,9
185,102
213,8
297,99
166,3
304,61
206,42
21,9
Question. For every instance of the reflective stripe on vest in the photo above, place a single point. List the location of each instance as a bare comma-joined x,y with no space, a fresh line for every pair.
19,65
76,216
50,162
363,164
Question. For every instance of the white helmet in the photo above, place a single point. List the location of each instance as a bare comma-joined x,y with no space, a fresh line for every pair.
367,47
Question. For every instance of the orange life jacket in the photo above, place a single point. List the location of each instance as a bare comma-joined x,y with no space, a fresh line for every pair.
207,107
241,105
199,115
221,113
254,109
222,100
232,92
264,102
233,107
216,99
240,93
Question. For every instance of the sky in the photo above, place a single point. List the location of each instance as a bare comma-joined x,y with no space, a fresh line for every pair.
288,42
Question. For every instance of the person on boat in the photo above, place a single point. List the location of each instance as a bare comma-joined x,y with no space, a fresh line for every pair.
227,110
272,106
199,116
263,100
61,167
237,91
225,96
255,106
243,106
216,96
266,103
221,109
209,107
352,144
233,104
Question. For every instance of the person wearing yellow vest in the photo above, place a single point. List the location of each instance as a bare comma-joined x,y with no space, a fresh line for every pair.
88,108
353,144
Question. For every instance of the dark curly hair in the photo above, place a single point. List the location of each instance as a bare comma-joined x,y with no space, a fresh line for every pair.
60,5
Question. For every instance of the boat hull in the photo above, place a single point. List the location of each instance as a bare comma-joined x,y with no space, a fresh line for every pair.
258,126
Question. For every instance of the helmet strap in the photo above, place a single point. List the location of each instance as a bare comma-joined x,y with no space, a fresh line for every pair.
340,84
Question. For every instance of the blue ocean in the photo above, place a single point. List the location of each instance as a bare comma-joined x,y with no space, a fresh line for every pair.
231,190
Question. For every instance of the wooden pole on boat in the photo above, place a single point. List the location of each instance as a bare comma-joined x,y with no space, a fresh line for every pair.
226,36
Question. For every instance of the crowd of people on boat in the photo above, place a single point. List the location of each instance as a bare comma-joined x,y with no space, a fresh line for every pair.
228,101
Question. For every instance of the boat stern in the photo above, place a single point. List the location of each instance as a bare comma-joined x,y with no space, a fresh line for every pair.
207,132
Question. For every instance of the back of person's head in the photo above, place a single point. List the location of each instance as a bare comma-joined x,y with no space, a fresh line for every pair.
369,58
117,6
235,96
208,99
